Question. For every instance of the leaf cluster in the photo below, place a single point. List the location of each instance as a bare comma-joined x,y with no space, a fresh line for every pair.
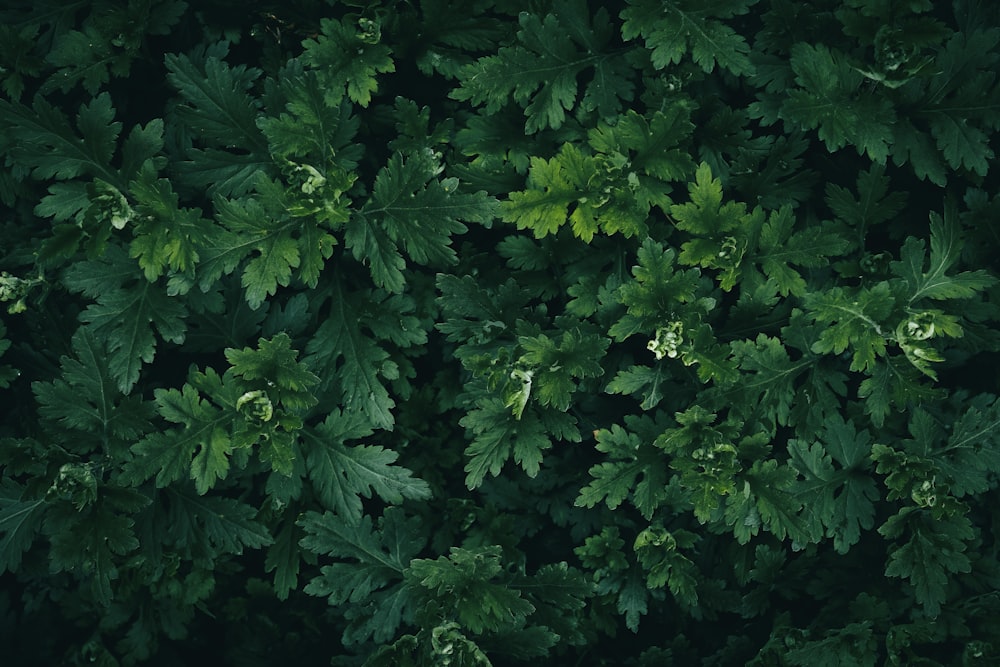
494,333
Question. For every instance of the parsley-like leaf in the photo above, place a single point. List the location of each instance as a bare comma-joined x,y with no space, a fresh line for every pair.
369,567
411,208
840,497
349,57
343,474
827,100
931,551
20,521
87,400
352,362
540,72
201,447
126,308
674,28
40,138
946,250
855,319
498,435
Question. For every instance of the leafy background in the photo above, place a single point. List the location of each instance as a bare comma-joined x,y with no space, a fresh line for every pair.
440,333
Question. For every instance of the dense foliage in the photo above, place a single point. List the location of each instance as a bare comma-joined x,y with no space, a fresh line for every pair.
427,332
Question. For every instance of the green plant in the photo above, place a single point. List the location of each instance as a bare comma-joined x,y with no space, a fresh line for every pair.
433,333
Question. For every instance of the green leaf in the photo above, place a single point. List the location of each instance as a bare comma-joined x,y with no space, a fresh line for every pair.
275,364
959,463
654,143
946,250
453,35
613,190
345,55
645,381
202,446
409,207
167,237
85,57
874,204
267,233
222,173
225,525
541,70
972,453
615,576
961,104
87,400
714,359
551,187
556,365
311,126
351,360
915,147
767,499
20,522
92,542
342,475
722,232
781,247
828,100
497,436
222,115
476,314
465,579
673,29
705,456
962,144
614,480
841,498
217,104
559,594
369,568
7,374
381,555
126,309
769,377
856,642
633,600
854,320
263,274
657,550
705,214
211,460
284,558
893,383
40,139
656,291
141,146
931,552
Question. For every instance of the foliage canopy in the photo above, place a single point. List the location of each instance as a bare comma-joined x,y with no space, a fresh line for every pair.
425,332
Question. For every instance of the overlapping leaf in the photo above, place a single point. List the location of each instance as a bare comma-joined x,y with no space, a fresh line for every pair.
86,400
126,309
343,474
841,498
540,71
673,29
828,100
20,522
369,567
412,209
349,57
